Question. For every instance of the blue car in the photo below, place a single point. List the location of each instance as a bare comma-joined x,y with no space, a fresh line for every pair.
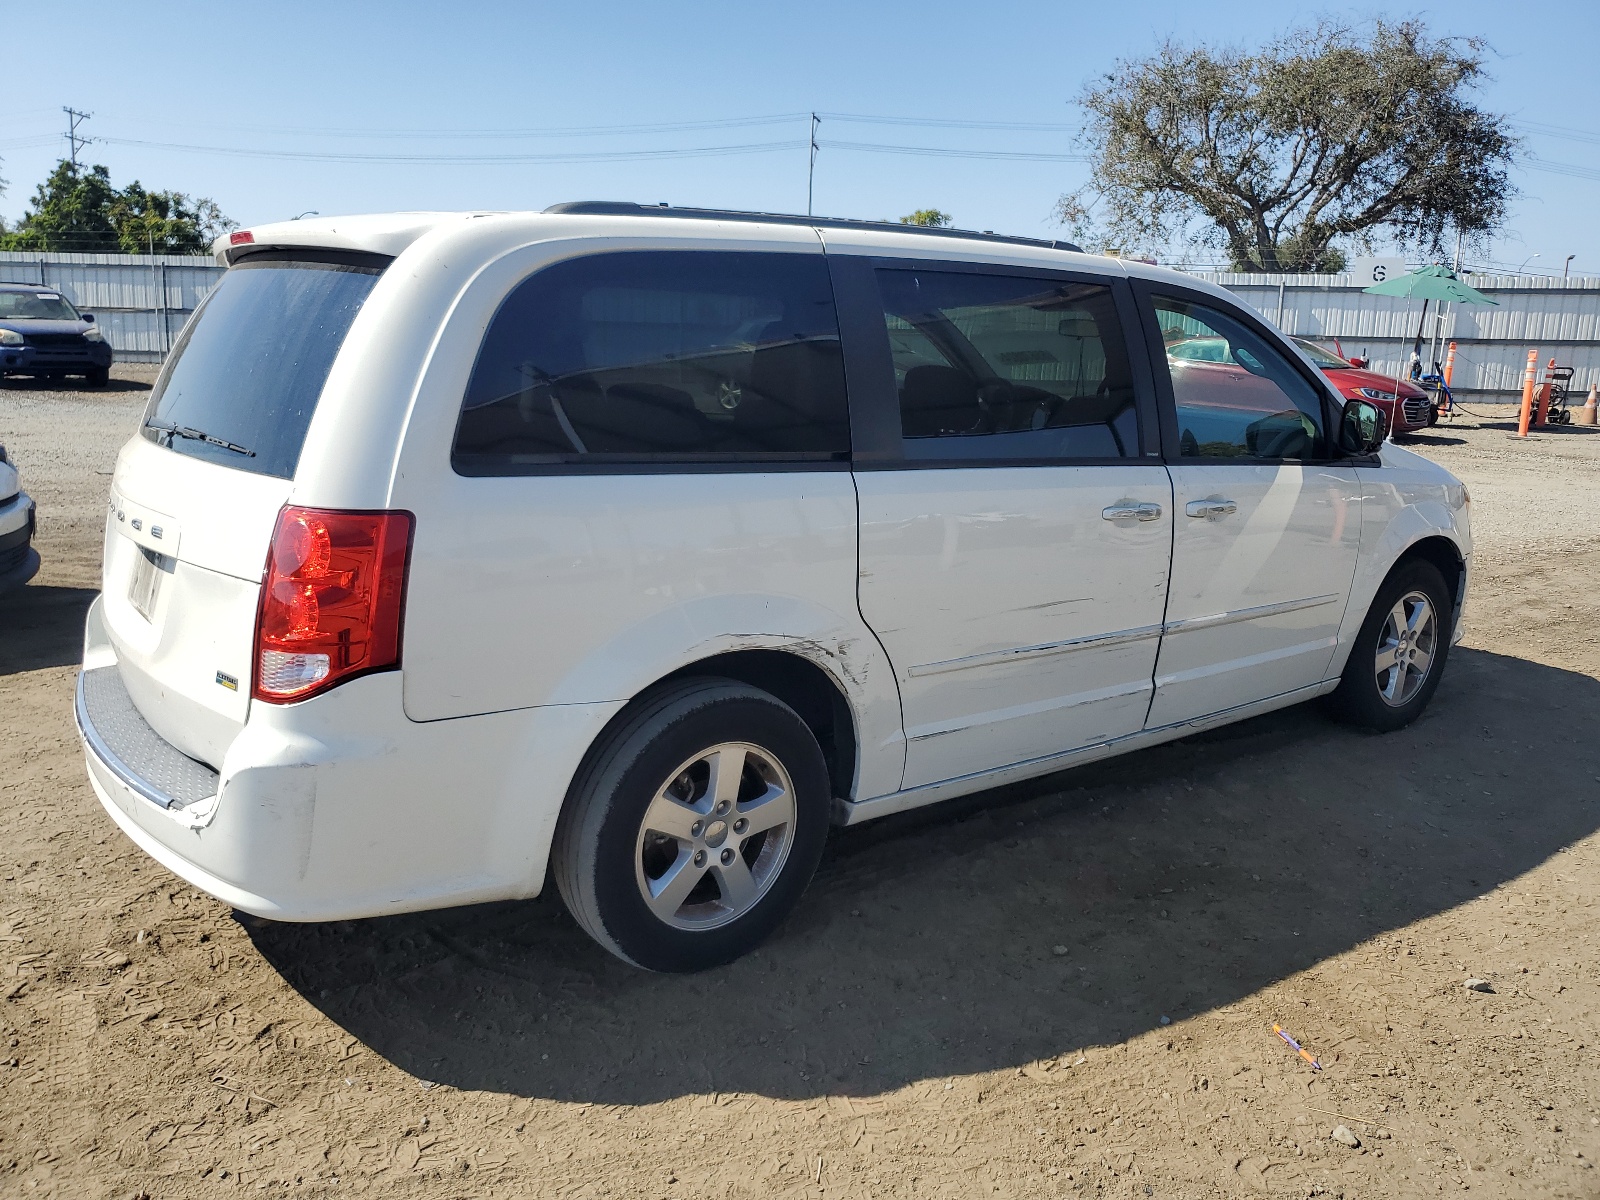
43,334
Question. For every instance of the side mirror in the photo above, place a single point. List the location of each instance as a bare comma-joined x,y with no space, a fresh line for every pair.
1362,428
1359,363
89,317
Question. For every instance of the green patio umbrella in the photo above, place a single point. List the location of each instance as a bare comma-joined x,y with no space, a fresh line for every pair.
1434,282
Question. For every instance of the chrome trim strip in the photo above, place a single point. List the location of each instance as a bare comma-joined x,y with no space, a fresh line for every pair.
1250,614
1121,636
1118,638
109,760
854,812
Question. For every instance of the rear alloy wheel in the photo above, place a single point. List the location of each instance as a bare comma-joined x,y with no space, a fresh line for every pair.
694,825
1399,654
715,837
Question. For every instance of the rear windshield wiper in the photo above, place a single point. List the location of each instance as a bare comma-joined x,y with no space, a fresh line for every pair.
172,430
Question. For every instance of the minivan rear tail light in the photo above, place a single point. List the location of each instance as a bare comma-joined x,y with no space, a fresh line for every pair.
332,600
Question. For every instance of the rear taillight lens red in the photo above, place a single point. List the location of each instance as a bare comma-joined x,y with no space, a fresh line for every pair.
241,237
332,600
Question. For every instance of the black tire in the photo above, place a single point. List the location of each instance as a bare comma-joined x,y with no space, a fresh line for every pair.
604,852
98,377
1360,699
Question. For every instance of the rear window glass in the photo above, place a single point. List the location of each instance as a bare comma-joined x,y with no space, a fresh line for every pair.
659,356
241,385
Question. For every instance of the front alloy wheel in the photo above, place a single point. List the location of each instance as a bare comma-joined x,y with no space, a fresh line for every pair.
1399,653
1406,649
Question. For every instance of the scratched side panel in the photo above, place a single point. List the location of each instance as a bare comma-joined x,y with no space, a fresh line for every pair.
1021,622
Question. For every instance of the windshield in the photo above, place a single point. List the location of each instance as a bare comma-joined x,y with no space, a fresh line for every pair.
242,383
1323,358
42,305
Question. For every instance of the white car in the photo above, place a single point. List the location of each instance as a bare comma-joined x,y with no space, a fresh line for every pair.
19,561
635,546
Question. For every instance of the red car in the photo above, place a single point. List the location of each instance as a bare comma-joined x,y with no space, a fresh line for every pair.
1414,410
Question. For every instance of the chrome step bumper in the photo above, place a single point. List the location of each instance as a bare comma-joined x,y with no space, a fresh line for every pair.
136,754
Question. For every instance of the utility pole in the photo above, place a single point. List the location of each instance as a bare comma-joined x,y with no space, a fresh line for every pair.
74,138
811,171
1456,267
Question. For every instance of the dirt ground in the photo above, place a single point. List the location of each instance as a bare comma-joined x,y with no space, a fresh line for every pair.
1061,989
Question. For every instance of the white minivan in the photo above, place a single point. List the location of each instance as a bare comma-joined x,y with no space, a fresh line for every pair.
634,546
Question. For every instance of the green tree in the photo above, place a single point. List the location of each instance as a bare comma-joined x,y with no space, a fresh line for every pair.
928,216
1325,136
165,222
71,211
79,210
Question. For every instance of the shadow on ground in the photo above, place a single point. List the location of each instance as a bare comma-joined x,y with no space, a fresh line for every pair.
1176,880
28,383
42,626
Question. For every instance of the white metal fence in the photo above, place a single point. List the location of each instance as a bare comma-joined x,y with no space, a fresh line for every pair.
142,301
1558,318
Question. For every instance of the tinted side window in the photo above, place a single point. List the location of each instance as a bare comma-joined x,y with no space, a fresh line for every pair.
664,356
1236,395
1008,367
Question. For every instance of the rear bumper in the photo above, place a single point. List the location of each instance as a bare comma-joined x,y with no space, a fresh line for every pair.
340,807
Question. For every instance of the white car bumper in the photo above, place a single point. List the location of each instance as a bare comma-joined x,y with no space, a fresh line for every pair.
339,807
19,561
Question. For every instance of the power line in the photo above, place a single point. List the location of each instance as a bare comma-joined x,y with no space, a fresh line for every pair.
513,134
1559,131
564,131
464,159
1571,170
941,123
942,152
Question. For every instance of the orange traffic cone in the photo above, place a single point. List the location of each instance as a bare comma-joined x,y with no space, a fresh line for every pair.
1586,414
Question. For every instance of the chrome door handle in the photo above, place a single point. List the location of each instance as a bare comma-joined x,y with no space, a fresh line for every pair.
1210,508
1132,512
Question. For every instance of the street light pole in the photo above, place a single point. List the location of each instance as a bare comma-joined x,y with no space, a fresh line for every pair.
1566,267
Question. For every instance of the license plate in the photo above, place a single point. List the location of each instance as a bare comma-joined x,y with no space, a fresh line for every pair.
146,583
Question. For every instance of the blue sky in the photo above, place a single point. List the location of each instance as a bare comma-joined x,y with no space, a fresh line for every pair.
351,79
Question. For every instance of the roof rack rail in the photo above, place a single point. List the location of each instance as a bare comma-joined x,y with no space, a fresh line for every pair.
626,208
